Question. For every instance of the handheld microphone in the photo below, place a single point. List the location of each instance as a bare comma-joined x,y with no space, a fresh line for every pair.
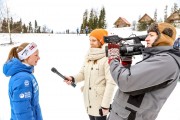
62,76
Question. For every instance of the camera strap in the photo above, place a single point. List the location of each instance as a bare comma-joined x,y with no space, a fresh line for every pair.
172,55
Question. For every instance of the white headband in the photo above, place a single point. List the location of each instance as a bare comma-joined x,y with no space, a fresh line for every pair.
27,51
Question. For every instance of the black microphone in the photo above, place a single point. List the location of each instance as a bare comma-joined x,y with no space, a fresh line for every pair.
62,76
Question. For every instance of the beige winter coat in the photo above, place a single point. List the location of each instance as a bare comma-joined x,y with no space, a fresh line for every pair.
98,84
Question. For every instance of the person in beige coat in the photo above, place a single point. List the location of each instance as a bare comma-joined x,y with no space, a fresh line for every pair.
98,83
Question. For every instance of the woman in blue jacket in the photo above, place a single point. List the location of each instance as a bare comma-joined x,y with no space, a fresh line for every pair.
23,87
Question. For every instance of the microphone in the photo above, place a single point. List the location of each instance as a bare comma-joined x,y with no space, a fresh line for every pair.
62,76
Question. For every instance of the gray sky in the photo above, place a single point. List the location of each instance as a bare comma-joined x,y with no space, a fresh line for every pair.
60,15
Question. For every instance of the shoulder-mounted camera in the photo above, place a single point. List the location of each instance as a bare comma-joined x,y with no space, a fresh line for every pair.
128,46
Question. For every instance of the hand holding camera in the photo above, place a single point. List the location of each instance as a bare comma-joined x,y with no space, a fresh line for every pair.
113,52
123,48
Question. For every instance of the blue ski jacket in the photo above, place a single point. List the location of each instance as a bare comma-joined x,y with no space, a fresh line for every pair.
23,91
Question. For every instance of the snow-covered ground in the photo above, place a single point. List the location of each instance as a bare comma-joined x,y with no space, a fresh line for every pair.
58,100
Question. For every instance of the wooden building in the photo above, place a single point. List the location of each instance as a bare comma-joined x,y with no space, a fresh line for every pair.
174,18
121,22
146,19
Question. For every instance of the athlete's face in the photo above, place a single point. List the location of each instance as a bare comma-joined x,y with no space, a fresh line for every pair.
33,59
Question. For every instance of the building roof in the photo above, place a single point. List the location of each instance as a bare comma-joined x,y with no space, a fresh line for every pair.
145,18
122,20
173,17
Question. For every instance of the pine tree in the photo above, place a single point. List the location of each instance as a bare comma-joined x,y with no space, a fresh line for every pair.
5,26
35,26
19,26
39,29
30,30
24,28
102,21
165,13
85,20
93,20
155,15
96,21
175,7
11,23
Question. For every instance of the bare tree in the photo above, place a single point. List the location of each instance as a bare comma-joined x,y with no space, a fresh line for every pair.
8,21
6,15
1,16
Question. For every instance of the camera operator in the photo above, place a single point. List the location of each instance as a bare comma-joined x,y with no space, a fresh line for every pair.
143,88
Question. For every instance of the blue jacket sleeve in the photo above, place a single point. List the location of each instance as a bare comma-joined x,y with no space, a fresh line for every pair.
22,93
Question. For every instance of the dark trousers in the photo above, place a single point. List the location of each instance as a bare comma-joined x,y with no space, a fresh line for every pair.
97,118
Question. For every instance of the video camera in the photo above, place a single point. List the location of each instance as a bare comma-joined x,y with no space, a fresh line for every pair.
128,46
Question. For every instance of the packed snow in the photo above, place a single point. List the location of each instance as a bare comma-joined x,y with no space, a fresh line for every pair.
66,53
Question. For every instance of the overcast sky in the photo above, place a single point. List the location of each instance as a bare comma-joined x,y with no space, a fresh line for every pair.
67,14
